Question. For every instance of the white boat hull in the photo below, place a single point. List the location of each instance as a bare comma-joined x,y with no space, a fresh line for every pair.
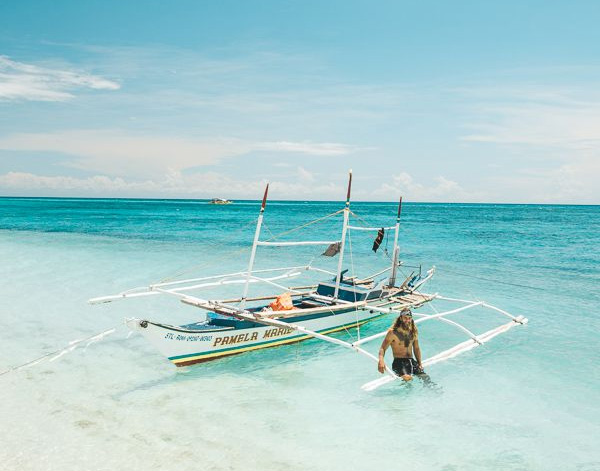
186,346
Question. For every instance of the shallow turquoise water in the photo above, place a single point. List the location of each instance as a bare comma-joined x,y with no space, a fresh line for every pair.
527,400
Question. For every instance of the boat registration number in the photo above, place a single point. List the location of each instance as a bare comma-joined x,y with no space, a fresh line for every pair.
188,338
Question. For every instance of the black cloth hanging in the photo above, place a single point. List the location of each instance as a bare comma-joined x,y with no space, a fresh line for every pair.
378,239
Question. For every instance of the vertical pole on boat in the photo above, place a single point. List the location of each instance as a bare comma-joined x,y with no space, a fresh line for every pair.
254,245
343,241
396,251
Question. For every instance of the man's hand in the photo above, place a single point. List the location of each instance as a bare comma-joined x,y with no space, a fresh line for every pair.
384,345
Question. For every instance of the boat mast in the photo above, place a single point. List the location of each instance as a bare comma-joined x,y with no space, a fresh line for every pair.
254,245
396,250
343,241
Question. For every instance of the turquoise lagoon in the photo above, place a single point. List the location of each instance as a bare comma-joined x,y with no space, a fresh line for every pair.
528,400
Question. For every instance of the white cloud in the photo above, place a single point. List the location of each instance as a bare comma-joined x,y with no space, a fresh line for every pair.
19,81
565,126
575,182
291,106
540,116
555,130
305,175
211,184
325,148
171,184
567,184
98,183
116,153
442,190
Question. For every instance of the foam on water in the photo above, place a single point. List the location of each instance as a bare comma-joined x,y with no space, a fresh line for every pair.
527,400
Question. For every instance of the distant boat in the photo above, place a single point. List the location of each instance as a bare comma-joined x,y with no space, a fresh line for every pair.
220,201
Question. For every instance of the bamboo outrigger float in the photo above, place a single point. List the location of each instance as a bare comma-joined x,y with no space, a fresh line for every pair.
232,327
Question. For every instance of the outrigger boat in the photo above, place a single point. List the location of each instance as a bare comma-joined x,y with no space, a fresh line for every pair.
232,326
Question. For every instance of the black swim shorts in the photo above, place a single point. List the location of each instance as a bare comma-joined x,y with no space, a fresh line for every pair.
406,366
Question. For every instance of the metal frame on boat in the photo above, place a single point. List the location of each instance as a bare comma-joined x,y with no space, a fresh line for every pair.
233,327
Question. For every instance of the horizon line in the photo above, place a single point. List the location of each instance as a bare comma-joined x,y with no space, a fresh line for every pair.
290,200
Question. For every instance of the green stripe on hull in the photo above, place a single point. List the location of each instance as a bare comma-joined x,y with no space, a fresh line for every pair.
198,357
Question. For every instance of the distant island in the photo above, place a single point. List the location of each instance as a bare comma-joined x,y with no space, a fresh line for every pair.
220,201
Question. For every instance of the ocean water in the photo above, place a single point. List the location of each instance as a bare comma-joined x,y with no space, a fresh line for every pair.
527,400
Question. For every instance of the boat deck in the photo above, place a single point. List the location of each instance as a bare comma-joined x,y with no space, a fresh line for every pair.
305,309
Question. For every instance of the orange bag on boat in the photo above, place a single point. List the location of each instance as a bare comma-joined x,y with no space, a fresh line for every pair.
282,303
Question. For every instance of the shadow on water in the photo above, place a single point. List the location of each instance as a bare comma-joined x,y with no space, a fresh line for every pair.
289,366
243,366
421,385
286,365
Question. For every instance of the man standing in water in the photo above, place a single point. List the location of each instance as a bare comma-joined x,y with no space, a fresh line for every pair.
404,340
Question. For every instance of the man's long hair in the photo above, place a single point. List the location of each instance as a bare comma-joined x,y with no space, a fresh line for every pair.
409,333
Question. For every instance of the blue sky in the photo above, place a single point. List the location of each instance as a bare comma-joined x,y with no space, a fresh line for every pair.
438,101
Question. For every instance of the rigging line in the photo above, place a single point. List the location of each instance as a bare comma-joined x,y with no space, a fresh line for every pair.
470,293
60,352
422,295
354,276
418,293
355,308
268,229
204,264
364,223
361,219
207,262
495,280
430,302
402,271
387,240
386,253
297,228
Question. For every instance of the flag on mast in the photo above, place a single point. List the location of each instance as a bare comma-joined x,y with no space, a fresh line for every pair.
378,239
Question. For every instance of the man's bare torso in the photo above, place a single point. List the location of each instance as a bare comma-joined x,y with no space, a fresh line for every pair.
401,344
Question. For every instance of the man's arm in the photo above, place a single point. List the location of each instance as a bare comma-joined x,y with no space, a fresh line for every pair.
417,352
384,345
